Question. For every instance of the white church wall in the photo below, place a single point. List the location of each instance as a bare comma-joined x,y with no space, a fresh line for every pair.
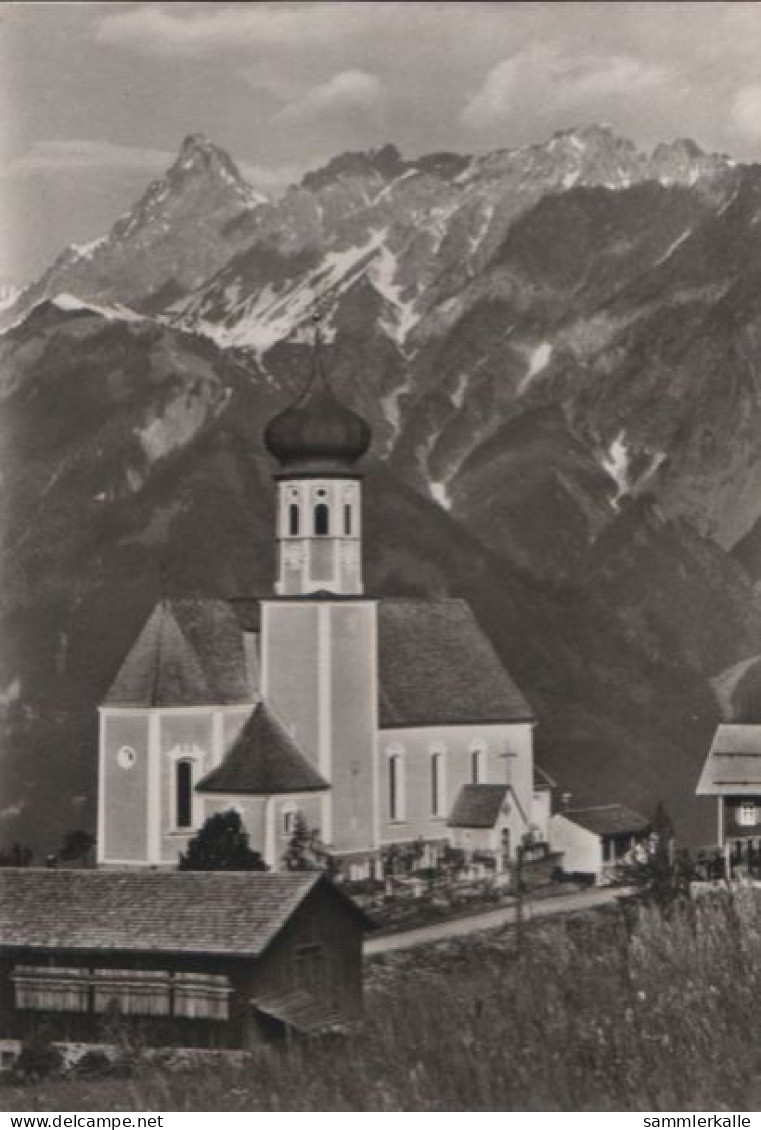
123,785
504,753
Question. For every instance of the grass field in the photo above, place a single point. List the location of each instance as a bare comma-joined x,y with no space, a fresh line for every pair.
602,1011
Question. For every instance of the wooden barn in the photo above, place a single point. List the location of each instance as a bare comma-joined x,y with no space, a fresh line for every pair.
193,959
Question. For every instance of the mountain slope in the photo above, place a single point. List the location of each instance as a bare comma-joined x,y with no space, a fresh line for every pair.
557,348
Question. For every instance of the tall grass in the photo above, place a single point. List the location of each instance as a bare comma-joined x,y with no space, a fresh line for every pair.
614,1011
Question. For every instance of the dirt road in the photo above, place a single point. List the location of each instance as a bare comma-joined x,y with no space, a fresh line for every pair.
541,908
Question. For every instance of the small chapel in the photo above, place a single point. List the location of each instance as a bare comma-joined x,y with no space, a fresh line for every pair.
382,721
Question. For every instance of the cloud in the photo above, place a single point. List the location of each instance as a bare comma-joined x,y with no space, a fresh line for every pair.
79,154
346,92
745,112
157,29
545,75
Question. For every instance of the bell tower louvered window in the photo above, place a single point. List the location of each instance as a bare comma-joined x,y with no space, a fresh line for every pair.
321,520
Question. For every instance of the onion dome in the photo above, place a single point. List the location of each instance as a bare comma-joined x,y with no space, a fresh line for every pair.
317,432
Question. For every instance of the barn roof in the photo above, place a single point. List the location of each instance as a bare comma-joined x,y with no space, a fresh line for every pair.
607,819
263,760
436,666
194,912
478,806
733,765
190,652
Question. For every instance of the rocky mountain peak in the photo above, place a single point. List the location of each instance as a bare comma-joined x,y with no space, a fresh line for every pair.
199,156
386,162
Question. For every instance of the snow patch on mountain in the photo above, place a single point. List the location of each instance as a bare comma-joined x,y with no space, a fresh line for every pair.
117,312
269,315
382,273
391,406
86,250
672,247
616,462
477,239
458,396
8,295
538,362
440,494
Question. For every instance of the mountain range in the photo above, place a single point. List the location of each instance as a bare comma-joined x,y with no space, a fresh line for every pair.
559,348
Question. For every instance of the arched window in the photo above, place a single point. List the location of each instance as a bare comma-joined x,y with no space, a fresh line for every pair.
395,788
347,520
288,814
437,783
293,520
184,793
321,515
477,765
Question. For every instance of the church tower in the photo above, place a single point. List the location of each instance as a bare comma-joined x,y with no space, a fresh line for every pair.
319,633
317,441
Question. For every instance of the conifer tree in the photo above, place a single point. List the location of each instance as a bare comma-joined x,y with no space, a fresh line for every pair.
221,845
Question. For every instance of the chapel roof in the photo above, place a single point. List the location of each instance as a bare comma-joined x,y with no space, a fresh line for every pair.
478,806
607,819
233,913
733,765
264,760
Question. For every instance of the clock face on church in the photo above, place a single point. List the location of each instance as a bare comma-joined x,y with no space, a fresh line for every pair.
126,757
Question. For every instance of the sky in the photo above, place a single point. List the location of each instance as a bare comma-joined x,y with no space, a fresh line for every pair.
98,96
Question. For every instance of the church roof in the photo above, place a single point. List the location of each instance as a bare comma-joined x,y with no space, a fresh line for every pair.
263,760
733,765
194,912
478,806
190,652
436,666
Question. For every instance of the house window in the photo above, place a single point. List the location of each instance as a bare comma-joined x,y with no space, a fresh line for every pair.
477,766
133,992
347,520
395,788
184,793
747,813
50,989
202,996
437,772
321,520
293,520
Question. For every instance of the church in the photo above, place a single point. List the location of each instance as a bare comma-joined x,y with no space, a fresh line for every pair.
382,721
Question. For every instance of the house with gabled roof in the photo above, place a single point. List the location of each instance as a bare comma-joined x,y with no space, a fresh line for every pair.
199,959
368,715
597,839
732,774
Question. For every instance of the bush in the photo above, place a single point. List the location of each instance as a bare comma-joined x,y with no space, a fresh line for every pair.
39,1057
93,1062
